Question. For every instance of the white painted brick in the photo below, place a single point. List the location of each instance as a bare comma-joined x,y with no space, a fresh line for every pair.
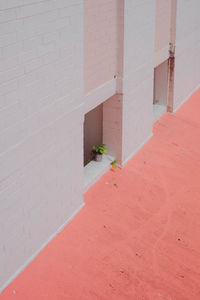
7,15
28,55
11,26
27,2
9,99
10,115
34,64
38,24
9,63
74,11
63,22
46,49
39,19
51,57
8,87
45,28
51,37
32,43
12,50
63,3
36,144
34,9
11,74
25,33
39,132
5,4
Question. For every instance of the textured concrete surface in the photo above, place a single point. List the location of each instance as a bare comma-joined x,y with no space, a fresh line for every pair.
138,235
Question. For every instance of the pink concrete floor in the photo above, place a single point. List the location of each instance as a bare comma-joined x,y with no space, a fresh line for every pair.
138,237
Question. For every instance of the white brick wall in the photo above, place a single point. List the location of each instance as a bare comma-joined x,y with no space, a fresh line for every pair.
187,57
41,93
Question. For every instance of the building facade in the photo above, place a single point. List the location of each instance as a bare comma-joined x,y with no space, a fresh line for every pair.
73,74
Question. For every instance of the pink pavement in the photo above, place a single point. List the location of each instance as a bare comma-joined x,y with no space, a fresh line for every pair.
138,237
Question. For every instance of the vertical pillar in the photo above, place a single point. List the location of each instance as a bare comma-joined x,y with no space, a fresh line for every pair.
113,107
112,126
170,105
138,66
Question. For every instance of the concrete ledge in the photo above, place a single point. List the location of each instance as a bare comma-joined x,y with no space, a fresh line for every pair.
99,95
161,56
158,111
94,170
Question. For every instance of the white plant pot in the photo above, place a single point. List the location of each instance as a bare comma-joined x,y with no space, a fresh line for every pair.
98,157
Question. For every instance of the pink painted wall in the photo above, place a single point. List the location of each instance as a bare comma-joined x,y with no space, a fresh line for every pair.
161,84
112,126
162,30
100,42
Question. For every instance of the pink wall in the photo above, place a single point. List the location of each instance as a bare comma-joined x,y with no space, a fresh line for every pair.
100,44
162,30
112,126
162,19
161,84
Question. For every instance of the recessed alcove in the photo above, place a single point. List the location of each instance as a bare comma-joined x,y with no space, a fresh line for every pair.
102,125
160,96
93,131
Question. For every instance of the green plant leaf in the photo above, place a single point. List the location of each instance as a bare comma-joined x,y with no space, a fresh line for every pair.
114,164
99,149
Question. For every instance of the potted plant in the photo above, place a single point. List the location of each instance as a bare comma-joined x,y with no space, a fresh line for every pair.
98,151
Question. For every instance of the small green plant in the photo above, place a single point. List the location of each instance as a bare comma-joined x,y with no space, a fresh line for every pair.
100,149
89,160
114,164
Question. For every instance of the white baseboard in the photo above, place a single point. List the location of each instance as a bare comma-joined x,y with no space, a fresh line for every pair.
99,95
94,170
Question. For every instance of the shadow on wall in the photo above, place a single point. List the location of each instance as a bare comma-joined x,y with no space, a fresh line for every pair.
160,95
93,131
